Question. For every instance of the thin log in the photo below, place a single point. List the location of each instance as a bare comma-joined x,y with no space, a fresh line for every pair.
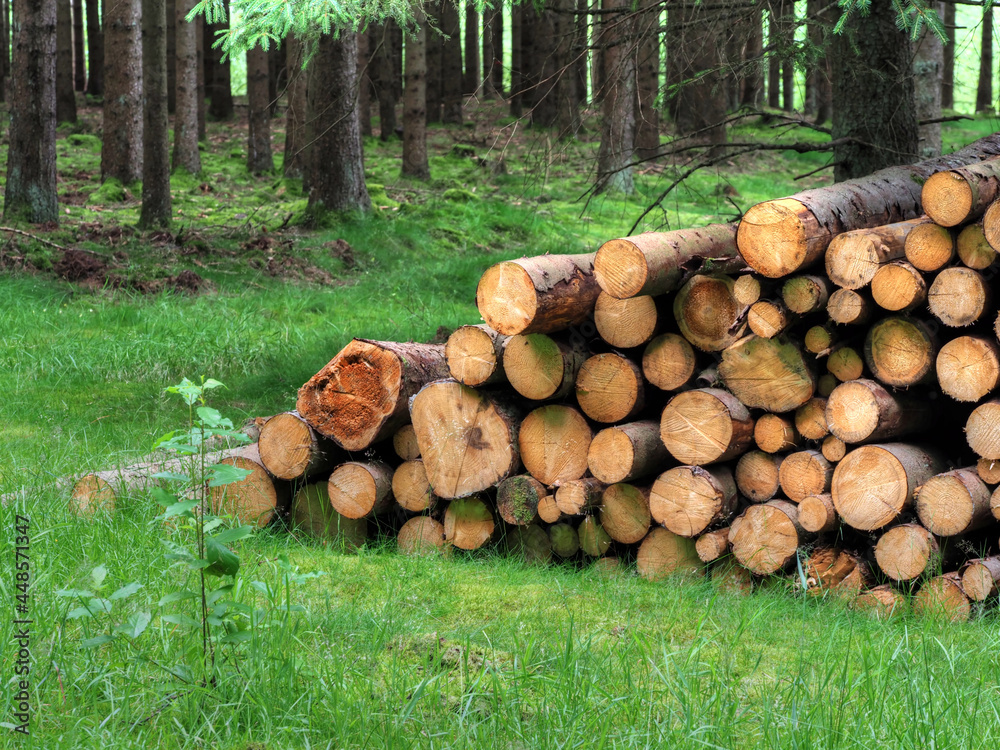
806,294
705,425
529,543
540,366
361,490
810,419
805,473
687,500
982,430
882,602
411,488
863,411
768,374
256,499
958,196
833,448
959,297
421,536
404,442
930,247
768,318
624,512
765,538
626,323
847,307
707,314
899,287
712,545
291,449
776,434
954,502
901,351
757,476
626,452
973,249
669,362
980,578
594,540
518,499
468,523
817,514
475,355
989,471
819,340
313,514
564,539
907,551
853,258
942,597
610,388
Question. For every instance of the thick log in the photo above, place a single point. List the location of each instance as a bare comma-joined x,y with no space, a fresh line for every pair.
768,318
421,536
873,484
361,490
411,488
663,553
468,440
538,295
257,498
564,539
862,411
942,597
805,473
361,396
776,434
529,543
901,351
624,512
899,287
712,545
853,258
468,523
768,374
291,449
518,499
957,196
847,307
837,570
810,419
579,496
707,314
594,540
626,323
765,538
705,425
882,602
656,262
817,514
955,502
806,294
669,362
540,366
833,448
757,476
554,441
687,500
610,388
780,237
930,247
959,297
313,514
982,430
404,442
627,451
907,551
475,355
973,249
980,578
968,368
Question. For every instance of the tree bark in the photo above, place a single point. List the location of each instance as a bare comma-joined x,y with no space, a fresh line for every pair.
186,154
647,136
4,48
984,90
65,95
416,100
296,141
618,101
385,89
699,107
171,56
220,107
121,152
433,45
364,84
948,63
786,21
928,63
517,14
95,49
30,190
199,34
259,159
493,52
79,68
752,93
470,79
156,204
451,64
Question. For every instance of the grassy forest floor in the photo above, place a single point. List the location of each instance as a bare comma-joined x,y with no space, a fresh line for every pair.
471,651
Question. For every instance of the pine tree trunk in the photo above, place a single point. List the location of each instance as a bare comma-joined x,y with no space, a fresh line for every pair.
259,158
451,64
493,52
95,49
30,191
647,135
186,153
774,41
199,36
171,56
699,107
928,61
531,58
121,154
548,85
580,54
220,91
296,143
385,89
433,45
471,74
275,68
984,90
618,101
156,207
65,95
752,93
337,180
4,48
948,64
364,84
787,22
415,102
517,15
79,68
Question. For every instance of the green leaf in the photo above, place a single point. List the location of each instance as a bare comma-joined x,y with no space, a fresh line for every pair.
99,605
209,416
98,574
223,474
172,476
164,439
214,621
78,613
74,592
98,641
212,383
177,596
187,390
180,509
134,626
231,535
182,620
222,560
125,591
162,497
240,636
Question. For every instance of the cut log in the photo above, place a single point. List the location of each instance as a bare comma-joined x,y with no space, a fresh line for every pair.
810,419
712,545
608,567
313,514
942,597
609,388
291,449
955,502
421,536
901,351
257,498
538,295
973,249
833,448
411,487
627,452
819,340
468,440
548,510
707,314
594,540
663,553
853,258
968,368
768,374
882,602
624,512
468,523
540,366
475,355
875,483
404,442
980,578
982,430
554,441
930,247
765,538
748,289
626,323
837,570
845,364
705,425
991,225
989,471
806,294
768,318
847,307
518,499
899,287
656,262
564,539
863,411
757,476
776,434
361,396
995,503
960,195
817,514
361,490
825,384
529,543
907,551
959,297
669,362
578,496
805,473
687,500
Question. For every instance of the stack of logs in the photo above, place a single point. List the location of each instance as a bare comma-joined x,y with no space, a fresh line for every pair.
808,391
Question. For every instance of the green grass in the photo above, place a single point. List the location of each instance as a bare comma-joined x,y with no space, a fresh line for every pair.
476,650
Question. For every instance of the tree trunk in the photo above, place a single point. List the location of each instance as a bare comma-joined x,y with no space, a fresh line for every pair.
220,85
291,449
361,489
475,355
416,100
984,90
948,63
433,45
928,63
156,205
554,442
451,64
4,48
786,20
385,89
79,68
470,77
95,49
30,191
364,84
171,56
517,15
296,142
688,500
752,94
186,153
647,136
65,95
259,158
121,153
199,36
873,89
618,100
548,83
774,41
493,52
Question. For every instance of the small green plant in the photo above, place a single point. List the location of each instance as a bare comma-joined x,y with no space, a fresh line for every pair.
95,608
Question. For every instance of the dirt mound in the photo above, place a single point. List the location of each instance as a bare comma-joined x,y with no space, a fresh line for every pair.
186,282
78,266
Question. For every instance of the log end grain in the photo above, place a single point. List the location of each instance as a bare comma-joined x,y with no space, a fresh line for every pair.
404,442
905,552
968,367
775,434
982,430
253,499
507,298
663,553
535,365
766,537
554,442
594,540
958,297
468,523
471,354
91,495
930,247
609,388
881,602
669,362
421,536
817,514
624,512
768,374
688,499
706,425
942,598
621,269
947,198
626,323
773,237
360,490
